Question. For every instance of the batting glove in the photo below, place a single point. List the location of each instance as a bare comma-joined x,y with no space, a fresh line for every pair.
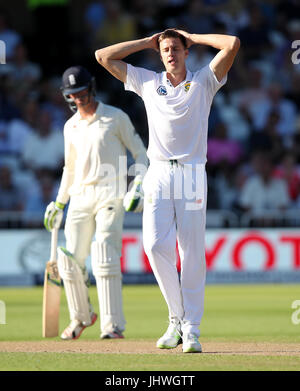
53,215
134,199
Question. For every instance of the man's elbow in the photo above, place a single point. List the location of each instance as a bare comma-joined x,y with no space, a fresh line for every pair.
101,59
235,44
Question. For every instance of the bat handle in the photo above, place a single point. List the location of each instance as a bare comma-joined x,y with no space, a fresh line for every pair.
54,235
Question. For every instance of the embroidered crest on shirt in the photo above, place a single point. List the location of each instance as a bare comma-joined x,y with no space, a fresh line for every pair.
162,90
187,86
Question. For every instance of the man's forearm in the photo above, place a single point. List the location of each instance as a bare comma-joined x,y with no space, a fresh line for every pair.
218,41
65,183
122,50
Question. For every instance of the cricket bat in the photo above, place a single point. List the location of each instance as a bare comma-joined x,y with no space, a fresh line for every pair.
51,294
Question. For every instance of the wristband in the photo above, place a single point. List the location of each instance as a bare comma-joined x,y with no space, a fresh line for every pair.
59,205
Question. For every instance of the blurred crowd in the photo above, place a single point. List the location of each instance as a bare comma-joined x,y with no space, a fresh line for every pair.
254,126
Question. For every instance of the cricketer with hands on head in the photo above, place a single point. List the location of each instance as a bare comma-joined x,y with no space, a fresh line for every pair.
95,183
177,103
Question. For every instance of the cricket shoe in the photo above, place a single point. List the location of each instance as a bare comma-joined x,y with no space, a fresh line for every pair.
115,333
171,338
190,343
76,327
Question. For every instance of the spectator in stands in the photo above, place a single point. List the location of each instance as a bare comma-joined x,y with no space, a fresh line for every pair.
117,26
268,139
227,188
8,108
11,37
13,131
150,60
5,145
11,197
254,37
290,173
171,10
253,91
238,126
147,15
250,166
258,103
196,18
234,16
37,202
54,102
220,149
198,58
276,101
19,129
44,148
23,70
263,193
94,15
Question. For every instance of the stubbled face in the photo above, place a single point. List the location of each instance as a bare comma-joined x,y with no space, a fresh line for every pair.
81,98
173,54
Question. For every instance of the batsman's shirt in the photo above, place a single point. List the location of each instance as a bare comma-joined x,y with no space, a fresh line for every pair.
93,149
177,116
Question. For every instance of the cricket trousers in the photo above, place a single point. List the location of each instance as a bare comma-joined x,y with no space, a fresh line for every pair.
93,212
96,213
175,209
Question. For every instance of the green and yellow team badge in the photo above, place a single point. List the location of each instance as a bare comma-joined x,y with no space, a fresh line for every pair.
187,86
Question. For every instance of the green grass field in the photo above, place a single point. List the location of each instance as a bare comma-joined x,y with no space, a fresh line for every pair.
233,314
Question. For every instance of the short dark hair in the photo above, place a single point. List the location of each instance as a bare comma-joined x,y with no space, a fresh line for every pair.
172,33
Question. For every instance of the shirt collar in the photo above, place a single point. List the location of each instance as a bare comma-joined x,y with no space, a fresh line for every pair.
96,114
168,83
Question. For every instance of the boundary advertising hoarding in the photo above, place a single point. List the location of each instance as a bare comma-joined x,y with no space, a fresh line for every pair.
232,255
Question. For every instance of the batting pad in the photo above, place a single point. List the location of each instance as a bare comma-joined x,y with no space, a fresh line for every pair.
75,287
107,271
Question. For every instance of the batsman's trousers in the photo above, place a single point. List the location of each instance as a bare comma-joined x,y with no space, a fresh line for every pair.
175,208
93,212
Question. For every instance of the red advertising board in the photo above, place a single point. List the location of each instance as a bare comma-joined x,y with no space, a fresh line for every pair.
229,250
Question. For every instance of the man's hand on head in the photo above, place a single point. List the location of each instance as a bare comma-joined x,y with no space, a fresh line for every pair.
187,36
153,42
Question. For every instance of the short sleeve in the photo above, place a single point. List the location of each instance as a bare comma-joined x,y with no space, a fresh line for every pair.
209,80
136,79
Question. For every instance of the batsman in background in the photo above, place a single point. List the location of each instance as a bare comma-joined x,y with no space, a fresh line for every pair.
177,103
95,137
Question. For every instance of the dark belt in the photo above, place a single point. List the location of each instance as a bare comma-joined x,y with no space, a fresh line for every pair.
173,162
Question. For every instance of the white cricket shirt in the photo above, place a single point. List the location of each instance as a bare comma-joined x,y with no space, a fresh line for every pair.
177,116
92,150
